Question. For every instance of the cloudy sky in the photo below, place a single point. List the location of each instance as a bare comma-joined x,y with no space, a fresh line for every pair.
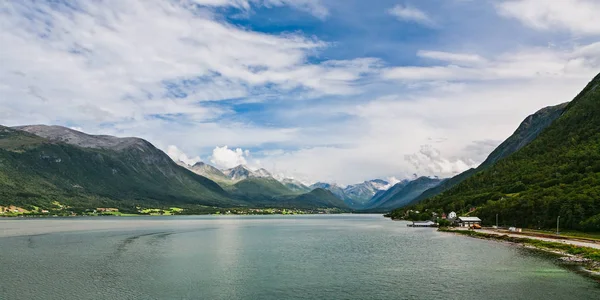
319,90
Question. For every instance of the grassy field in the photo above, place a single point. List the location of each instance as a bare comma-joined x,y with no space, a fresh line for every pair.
162,212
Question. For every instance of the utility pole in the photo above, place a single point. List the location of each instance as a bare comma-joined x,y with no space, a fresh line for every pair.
557,223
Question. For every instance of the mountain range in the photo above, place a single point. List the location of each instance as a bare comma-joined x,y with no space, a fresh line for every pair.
42,165
375,195
356,196
46,166
257,186
549,168
259,183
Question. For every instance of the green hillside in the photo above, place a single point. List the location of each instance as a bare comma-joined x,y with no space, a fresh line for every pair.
37,171
46,166
259,190
318,197
558,173
296,186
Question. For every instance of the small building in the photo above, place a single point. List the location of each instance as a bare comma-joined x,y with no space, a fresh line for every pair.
444,216
452,215
422,224
468,221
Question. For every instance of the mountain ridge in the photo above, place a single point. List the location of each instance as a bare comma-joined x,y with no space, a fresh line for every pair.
42,165
135,172
557,174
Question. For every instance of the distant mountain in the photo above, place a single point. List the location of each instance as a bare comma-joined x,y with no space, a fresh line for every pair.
379,194
260,191
261,186
334,188
256,187
295,185
242,172
556,174
207,171
358,195
402,193
80,139
43,164
316,198
529,129
384,196
261,173
238,173
444,186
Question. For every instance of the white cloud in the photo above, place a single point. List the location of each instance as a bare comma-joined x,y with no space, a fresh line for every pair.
577,16
314,7
391,181
528,63
225,158
123,61
464,124
411,14
145,68
179,156
454,58
154,69
430,161
242,4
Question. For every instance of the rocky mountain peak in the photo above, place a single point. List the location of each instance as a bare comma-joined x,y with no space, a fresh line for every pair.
238,173
73,137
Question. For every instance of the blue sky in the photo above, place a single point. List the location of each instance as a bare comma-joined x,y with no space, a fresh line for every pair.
317,90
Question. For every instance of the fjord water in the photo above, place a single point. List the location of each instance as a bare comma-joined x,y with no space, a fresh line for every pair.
267,257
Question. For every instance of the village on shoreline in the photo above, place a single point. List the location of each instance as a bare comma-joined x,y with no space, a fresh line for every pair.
66,211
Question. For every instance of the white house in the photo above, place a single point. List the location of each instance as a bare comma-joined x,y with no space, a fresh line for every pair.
468,221
452,215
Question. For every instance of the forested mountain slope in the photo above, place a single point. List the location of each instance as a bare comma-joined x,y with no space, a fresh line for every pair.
558,173
42,166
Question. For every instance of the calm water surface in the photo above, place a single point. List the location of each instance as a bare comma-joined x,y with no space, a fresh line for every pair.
274,257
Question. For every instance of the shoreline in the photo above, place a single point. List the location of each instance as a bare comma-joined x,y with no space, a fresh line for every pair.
583,260
156,215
